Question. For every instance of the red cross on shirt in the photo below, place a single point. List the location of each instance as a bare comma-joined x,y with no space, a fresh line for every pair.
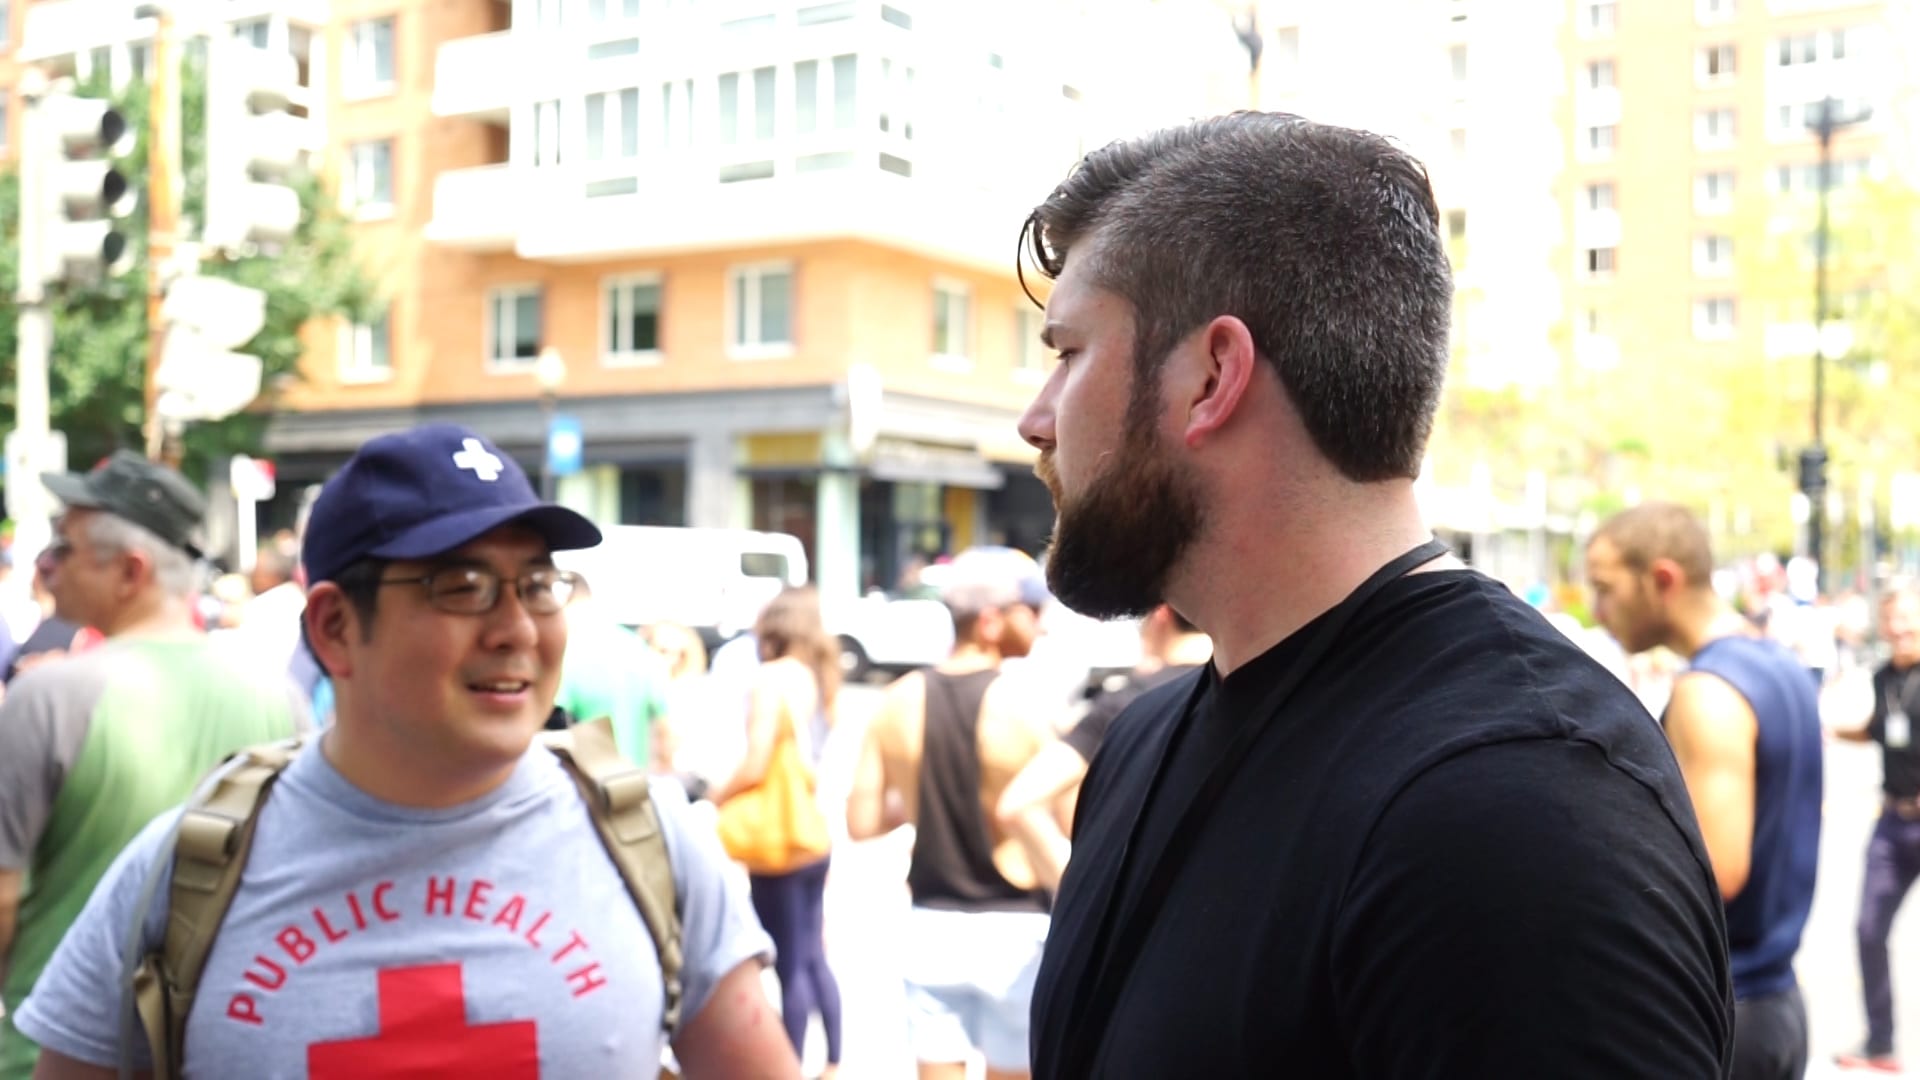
424,1033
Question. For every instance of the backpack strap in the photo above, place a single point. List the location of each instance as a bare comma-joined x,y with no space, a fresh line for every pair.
617,797
209,855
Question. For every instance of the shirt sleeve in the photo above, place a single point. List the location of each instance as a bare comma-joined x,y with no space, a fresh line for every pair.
75,1006
718,928
1508,897
1086,736
41,731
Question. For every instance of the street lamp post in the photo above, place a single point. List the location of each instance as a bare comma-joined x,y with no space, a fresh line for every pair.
1813,461
551,371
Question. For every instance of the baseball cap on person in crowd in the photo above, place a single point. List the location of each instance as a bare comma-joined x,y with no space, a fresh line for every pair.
146,493
425,491
990,576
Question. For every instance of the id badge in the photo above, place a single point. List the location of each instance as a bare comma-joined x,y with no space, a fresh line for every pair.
1899,730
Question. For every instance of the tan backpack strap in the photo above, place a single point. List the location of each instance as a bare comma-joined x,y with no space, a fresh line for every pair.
209,856
617,797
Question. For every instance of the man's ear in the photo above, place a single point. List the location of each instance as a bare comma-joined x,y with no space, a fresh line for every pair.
1667,576
331,624
1221,364
989,626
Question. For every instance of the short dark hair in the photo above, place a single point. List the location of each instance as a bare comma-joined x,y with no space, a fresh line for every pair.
1323,240
360,583
1660,530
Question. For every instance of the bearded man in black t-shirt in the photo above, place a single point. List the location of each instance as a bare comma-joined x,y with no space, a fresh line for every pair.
1399,826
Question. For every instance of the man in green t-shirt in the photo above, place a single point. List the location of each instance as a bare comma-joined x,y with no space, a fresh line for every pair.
611,673
94,747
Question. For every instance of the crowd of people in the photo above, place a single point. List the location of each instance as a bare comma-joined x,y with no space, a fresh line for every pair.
407,802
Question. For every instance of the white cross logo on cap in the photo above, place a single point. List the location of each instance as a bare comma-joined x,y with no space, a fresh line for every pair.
473,455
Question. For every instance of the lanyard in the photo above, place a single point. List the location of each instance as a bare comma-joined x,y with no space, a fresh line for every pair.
1110,965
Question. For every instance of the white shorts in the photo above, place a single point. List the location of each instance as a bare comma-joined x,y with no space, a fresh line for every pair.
970,983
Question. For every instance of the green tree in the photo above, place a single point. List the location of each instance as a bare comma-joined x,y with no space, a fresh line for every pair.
98,361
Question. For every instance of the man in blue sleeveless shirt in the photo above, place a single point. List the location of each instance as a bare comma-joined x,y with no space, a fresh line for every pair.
1744,722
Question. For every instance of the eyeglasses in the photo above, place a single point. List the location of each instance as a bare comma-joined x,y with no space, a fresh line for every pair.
473,590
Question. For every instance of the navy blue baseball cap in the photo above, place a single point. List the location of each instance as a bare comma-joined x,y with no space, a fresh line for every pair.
425,491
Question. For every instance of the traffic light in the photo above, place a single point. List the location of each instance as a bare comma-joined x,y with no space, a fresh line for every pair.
1813,471
77,192
253,145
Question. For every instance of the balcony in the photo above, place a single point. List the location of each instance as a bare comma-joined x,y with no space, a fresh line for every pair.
477,209
64,28
467,77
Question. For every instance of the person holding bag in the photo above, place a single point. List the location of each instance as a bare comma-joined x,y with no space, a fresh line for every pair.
770,818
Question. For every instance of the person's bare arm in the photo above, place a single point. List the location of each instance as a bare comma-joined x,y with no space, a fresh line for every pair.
763,730
868,802
10,884
737,1034
1714,733
54,1065
1026,809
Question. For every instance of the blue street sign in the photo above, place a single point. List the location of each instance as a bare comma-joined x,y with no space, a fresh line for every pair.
565,446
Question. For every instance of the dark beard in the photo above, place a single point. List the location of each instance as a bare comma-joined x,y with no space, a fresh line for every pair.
1116,543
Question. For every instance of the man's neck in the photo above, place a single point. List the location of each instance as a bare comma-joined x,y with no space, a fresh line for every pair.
969,656
375,767
1701,618
1262,572
156,618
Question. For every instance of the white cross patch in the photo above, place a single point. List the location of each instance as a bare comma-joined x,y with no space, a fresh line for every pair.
473,455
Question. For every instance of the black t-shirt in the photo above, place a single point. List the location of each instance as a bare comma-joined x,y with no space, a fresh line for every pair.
1087,735
1899,765
1463,849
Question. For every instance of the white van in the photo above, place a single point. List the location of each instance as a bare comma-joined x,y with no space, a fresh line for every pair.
713,580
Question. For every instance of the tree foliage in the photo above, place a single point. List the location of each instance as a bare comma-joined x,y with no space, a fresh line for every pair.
99,352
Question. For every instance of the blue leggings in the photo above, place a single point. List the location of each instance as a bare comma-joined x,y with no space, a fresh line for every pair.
792,908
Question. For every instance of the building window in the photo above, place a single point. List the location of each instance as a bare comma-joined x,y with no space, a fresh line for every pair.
1713,192
749,116
1714,65
1457,143
369,59
1598,18
600,11
1029,353
1602,75
254,32
676,113
1602,139
6,120
370,175
762,301
1457,57
1456,224
1713,129
952,321
367,353
632,307
513,327
825,94
1592,323
1713,11
6,23
896,99
546,133
1599,262
613,125
1713,254
1601,196
1713,318
139,58
1796,50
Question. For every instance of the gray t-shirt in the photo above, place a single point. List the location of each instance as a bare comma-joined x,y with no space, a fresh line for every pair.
369,940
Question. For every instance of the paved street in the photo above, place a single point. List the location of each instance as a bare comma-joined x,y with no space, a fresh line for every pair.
866,897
